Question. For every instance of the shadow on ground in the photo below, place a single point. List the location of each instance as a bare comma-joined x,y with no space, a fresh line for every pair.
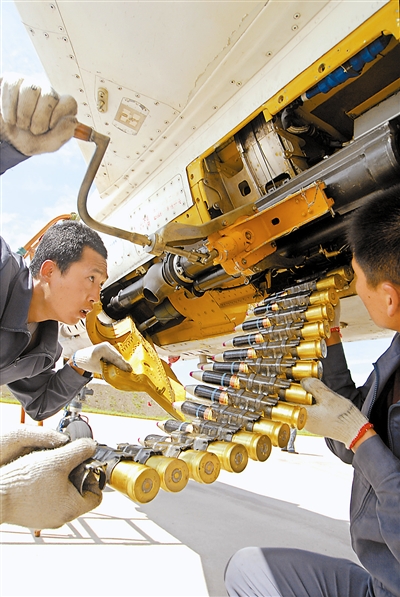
217,520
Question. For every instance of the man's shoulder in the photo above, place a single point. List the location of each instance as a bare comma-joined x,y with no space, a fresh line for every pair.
11,264
392,353
7,254
5,251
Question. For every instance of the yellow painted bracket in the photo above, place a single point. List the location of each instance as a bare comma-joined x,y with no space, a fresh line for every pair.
149,373
251,239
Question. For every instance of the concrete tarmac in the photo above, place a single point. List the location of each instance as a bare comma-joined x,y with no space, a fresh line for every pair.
179,544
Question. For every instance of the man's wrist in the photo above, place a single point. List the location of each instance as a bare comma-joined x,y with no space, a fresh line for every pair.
369,433
79,370
334,338
10,156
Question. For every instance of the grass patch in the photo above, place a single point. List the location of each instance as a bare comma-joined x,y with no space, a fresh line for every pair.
8,400
103,411
108,401
7,396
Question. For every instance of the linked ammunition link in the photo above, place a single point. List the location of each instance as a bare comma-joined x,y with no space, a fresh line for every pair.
259,384
267,406
302,299
297,314
136,471
287,367
312,349
257,445
319,329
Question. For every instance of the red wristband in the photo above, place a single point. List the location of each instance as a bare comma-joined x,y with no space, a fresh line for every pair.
336,329
360,434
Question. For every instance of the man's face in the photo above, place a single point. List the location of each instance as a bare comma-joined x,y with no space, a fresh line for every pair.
373,298
71,295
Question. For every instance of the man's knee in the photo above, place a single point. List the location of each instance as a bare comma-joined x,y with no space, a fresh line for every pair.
242,559
238,569
248,574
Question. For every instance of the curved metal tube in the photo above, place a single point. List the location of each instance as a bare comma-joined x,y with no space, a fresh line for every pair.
86,133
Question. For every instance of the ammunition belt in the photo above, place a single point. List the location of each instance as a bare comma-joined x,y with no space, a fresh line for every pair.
248,398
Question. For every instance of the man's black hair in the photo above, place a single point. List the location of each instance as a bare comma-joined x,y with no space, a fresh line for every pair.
64,243
374,237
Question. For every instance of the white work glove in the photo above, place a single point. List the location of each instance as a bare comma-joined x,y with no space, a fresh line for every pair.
90,358
27,438
73,337
333,415
34,119
35,491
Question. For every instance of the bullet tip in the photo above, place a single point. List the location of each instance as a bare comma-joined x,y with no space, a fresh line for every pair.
208,367
198,375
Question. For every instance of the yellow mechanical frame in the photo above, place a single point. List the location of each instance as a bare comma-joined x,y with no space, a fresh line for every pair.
386,20
250,240
212,315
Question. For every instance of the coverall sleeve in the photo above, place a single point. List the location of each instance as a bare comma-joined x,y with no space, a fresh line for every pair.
47,393
385,481
9,156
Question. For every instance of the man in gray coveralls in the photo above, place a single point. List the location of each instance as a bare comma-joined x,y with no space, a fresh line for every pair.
61,285
364,431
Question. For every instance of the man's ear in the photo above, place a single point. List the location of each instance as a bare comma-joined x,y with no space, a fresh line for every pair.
392,294
47,269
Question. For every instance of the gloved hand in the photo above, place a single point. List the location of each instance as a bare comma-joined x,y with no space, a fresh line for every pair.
73,337
332,416
27,438
34,119
90,358
35,491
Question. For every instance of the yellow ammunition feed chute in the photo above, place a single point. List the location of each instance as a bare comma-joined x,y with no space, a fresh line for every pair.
149,373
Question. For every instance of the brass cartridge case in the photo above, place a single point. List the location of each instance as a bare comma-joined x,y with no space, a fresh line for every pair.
293,415
324,296
304,369
320,312
296,394
316,329
346,271
174,473
278,433
258,446
139,482
312,349
335,280
232,456
204,467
